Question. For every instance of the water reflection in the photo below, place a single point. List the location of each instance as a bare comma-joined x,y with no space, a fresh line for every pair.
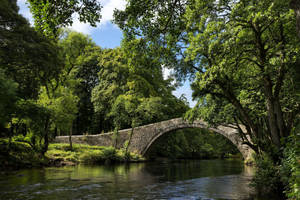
207,179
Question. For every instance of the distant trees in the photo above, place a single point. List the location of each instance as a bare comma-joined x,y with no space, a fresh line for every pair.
131,89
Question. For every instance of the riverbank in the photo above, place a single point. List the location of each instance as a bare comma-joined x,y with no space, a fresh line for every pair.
20,155
61,154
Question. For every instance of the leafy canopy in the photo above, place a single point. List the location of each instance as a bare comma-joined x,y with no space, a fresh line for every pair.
49,15
242,55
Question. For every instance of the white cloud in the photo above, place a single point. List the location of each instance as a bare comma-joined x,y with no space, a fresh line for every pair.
81,27
108,9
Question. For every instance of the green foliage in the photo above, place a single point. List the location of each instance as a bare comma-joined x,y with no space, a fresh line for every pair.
242,56
290,168
49,16
87,74
30,60
267,175
19,155
131,89
62,106
27,57
31,121
8,98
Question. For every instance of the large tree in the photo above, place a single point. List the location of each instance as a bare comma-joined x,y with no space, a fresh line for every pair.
27,57
81,68
28,60
243,55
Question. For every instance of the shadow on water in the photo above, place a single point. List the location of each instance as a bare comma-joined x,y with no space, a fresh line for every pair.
192,179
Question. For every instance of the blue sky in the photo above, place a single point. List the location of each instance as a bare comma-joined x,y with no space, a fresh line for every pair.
108,35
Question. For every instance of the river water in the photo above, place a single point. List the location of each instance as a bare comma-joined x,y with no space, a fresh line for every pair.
188,180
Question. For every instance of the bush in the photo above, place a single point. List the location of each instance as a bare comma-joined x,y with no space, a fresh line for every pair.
109,153
290,169
92,157
272,177
267,177
19,155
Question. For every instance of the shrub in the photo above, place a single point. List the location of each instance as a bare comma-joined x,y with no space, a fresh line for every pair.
290,169
91,157
267,177
109,153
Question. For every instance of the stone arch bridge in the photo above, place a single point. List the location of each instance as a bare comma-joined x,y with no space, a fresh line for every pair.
144,136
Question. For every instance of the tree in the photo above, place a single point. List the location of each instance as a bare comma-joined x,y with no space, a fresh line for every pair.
28,58
112,83
88,68
130,79
81,66
8,98
243,53
59,95
62,106
49,16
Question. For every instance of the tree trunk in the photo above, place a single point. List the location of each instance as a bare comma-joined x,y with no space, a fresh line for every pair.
46,140
280,121
11,133
129,141
272,119
115,137
55,131
70,137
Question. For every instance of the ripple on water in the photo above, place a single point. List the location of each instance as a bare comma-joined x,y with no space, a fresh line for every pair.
195,180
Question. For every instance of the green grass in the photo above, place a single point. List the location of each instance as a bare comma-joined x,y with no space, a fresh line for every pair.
89,154
21,155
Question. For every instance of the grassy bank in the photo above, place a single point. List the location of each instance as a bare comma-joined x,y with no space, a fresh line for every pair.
61,153
20,155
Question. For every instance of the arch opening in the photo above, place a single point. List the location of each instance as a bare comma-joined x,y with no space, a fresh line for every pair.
191,143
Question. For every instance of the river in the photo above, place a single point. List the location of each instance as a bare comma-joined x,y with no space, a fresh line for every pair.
188,180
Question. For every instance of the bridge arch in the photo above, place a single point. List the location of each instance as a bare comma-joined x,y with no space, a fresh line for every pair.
149,134
144,136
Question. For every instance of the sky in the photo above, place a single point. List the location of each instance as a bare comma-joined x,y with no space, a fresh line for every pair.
108,35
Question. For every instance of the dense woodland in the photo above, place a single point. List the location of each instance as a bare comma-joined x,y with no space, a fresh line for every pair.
242,57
